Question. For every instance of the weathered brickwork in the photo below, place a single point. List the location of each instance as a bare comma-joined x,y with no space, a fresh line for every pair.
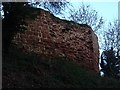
55,37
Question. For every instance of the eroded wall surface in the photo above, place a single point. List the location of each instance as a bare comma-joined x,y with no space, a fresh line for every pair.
55,37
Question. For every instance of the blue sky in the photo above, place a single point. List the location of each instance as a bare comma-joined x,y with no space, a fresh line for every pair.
108,10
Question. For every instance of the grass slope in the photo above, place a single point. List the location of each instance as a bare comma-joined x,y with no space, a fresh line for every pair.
30,71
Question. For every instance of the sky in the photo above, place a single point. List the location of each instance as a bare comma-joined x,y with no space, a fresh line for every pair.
108,10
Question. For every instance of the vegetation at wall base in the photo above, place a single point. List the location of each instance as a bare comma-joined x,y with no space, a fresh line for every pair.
22,70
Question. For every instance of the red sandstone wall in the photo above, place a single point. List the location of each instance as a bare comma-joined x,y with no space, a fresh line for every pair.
95,50
54,37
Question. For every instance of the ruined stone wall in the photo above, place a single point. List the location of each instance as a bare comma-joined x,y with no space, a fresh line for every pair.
55,37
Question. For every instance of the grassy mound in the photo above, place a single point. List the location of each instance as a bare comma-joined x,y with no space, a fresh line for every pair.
31,71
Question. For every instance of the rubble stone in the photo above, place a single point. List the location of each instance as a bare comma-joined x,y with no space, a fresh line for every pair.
50,35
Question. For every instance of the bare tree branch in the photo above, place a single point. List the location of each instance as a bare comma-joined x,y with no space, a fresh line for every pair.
86,15
112,36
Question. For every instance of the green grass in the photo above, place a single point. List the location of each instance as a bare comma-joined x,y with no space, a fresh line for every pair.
22,70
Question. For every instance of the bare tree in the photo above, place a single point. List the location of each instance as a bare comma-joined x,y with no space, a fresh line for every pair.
86,15
56,6
111,40
112,36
